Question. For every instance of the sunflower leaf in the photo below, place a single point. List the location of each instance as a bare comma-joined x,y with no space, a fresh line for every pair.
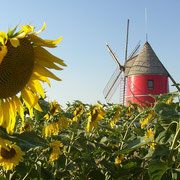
28,140
157,169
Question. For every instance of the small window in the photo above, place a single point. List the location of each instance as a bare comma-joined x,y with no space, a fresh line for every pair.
150,84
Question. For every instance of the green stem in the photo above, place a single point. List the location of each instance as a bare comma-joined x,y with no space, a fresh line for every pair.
173,144
175,139
32,167
72,141
128,129
69,148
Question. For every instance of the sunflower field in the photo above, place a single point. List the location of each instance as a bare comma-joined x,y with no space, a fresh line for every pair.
41,140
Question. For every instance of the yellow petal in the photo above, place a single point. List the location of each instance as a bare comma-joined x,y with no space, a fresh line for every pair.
27,28
1,115
24,31
3,37
47,116
54,41
3,52
47,64
37,107
41,42
36,86
6,113
29,99
44,72
42,53
15,42
19,107
12,122
44,26
37,76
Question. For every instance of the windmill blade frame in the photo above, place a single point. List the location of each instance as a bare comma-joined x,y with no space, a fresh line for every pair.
133,53
111,84
114,57
127,36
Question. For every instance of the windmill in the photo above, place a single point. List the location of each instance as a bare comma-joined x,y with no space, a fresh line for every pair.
140,76
118,78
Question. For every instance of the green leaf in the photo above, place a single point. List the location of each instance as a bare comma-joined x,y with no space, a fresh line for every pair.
157,169
69,115
29,140
45,107
2,178
167,111
95,174
135,145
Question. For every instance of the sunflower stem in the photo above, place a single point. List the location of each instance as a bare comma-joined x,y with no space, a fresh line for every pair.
32,166
128,129
72,140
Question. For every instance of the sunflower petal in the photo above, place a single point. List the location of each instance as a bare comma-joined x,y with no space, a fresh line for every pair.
37,107
3,52
44,72
6,114
3,37
47,64
27,29
54,42
41,42
19,107
12,122
21,35
37,87
1,115
42,53
29,99
37,76
15,42
42,29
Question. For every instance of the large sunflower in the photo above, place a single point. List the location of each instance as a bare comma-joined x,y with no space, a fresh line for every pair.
23,64
10,156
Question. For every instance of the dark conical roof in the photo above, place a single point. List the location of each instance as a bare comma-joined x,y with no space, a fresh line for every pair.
145,63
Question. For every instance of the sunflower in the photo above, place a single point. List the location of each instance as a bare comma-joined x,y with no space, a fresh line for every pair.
147,119
56,150
115,117
169,101
3,143
24,63
27,127
77,112
96,114
56,124
10,156
148,134
119,159
54,109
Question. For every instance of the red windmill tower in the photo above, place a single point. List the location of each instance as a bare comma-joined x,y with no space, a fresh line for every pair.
144,74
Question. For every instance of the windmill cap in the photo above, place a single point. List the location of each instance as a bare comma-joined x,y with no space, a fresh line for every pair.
145,63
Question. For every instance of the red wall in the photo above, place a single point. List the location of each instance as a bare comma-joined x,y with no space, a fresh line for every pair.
137,88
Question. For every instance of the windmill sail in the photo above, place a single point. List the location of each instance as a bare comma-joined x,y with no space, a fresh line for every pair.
134,52
112,85
114,57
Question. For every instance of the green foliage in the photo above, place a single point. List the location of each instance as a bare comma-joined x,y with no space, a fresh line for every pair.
148,153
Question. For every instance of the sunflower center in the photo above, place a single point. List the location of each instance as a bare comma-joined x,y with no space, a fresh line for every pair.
16,68
7,154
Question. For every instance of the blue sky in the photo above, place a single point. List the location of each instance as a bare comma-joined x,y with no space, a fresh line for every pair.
85,26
